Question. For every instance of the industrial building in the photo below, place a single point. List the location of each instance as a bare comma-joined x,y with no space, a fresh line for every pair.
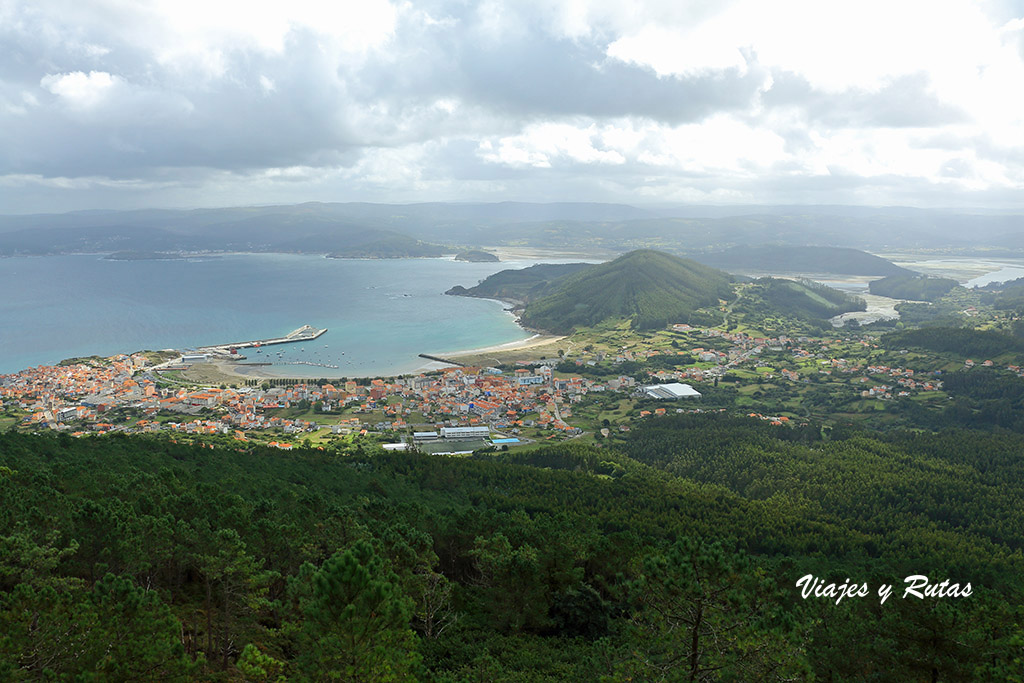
465,433
669,391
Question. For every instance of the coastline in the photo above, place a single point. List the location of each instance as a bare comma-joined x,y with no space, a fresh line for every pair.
537,340
226,371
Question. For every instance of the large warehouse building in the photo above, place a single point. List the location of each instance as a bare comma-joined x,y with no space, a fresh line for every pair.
670,391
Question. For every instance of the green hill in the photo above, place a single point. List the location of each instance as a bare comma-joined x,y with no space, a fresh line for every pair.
477,256
912,286
522,285
651,288
1005,295
803,299
786,259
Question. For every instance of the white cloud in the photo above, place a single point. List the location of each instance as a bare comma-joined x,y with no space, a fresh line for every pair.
203,31
834,45
80,90
543,144
665,51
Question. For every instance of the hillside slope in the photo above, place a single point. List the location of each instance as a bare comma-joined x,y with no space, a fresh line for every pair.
523,284
801,299
649,287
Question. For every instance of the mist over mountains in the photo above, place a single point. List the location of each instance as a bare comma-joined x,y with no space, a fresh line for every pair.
348,228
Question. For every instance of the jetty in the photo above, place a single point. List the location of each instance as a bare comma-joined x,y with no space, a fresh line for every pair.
442,360
304,333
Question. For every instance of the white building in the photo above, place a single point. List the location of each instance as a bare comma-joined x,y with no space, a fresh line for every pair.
670,391
465,432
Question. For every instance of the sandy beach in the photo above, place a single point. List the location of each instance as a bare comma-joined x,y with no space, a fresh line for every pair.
536,347
528,343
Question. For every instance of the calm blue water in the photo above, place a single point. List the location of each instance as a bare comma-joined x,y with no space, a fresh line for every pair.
379,314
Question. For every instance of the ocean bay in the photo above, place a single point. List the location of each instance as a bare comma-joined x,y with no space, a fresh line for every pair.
379,313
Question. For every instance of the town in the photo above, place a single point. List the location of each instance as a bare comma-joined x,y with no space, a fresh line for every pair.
523,402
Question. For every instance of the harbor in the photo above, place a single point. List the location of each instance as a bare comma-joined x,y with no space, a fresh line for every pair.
304,333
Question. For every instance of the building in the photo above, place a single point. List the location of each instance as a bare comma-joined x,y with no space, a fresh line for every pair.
670,391
461,433
420,437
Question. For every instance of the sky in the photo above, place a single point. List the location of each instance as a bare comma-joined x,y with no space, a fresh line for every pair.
185,103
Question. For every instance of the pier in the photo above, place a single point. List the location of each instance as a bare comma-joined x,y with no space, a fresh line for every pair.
442,360
304,333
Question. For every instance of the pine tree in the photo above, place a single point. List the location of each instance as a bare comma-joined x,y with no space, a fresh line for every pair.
356,625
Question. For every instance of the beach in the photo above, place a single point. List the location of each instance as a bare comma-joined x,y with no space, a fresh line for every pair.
529,343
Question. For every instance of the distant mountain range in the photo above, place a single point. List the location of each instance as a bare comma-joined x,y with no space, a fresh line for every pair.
347,228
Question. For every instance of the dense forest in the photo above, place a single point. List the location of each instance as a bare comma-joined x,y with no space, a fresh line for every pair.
671,553
965,341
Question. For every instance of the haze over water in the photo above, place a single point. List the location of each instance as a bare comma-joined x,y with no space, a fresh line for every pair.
379,313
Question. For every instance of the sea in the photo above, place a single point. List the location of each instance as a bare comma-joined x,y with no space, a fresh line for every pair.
379,314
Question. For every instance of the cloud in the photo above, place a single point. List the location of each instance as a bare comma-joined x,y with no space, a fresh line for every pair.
197,103
904,101
79,90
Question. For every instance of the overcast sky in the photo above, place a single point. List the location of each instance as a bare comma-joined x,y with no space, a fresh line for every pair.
135,103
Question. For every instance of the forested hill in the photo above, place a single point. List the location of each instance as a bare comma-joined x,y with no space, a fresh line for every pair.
802,299
521,285
912,286
794,259
649,287
135,558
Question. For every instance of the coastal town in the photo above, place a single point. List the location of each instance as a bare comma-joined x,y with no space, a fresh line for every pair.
81,397
521,402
